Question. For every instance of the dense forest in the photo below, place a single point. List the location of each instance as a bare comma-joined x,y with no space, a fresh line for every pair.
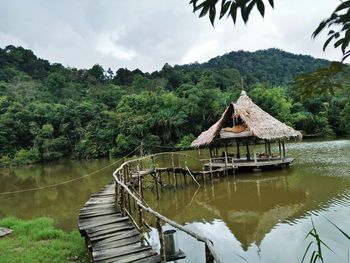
48,111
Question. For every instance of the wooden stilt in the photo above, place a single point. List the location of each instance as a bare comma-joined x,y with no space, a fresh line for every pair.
284,150
279,149
238,153
248,153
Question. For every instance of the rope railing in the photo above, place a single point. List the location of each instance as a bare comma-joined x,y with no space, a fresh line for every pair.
131,200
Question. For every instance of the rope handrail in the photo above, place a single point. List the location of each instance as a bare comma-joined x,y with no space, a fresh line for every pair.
159,216
71,180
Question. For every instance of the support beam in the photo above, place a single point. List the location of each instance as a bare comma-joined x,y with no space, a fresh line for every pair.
238,153
248,153
284,150
279,149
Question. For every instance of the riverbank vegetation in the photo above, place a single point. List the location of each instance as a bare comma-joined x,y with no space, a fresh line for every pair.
39,241
48,111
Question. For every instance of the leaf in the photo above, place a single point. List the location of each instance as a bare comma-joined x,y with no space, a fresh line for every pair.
224,9
271,3
244,14
261,7
346,40
233,12
327,42
320,27
204,11
212,14
338,43
346,235
307,249
342,6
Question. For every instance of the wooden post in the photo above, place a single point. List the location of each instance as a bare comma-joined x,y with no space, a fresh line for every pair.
254,150
265,147
156,182
173,162
141,225
248,153
211,169
139,179
279,149
269,148
161,241
238,153
122,201
284,150
208,256
129,203
153,164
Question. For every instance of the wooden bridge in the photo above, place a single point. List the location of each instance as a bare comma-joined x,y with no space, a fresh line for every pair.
116,221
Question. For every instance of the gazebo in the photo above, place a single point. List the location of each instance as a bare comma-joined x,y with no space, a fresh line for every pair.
245,124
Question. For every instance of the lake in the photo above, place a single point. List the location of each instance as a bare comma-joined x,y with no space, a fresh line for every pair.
250,217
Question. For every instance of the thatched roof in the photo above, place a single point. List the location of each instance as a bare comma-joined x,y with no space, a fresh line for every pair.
258,122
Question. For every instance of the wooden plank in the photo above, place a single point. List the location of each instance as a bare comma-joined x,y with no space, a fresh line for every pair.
120,243
112,237
118,236
151,259
111,229
118,252
112,234
102,213
85,225
130,257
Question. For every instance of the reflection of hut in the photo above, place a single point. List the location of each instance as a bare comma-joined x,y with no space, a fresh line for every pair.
247,124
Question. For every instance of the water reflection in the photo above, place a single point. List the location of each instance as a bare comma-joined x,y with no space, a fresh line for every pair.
249,210
252,217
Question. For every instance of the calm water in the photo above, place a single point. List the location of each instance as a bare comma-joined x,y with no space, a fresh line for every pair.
250,218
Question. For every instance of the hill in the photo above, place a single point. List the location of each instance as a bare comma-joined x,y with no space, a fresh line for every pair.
48,111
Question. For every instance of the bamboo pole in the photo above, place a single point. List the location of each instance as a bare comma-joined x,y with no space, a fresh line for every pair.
161,241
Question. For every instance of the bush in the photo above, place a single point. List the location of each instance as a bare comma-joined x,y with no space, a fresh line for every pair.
26,156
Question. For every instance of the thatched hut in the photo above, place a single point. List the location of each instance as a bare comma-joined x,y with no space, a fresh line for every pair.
246,123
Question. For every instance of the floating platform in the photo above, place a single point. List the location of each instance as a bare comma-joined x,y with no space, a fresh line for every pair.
244,164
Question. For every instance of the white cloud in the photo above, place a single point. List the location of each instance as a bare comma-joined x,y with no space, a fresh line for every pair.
147,34
107,44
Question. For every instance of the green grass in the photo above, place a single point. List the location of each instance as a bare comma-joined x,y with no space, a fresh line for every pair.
39,241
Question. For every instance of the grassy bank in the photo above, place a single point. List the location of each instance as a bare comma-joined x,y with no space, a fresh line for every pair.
39,241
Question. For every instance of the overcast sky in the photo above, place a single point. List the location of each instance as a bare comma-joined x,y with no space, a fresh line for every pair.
146,34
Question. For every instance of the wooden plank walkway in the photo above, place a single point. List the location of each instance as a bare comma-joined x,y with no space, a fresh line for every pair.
110,236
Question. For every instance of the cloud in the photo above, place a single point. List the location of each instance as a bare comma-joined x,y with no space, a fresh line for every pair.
148,34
